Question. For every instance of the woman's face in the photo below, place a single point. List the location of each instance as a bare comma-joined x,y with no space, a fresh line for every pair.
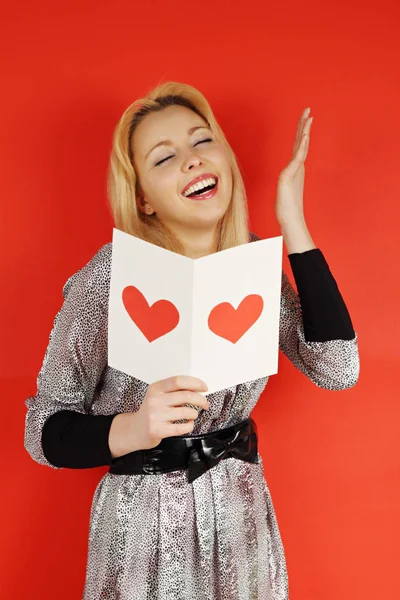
171,148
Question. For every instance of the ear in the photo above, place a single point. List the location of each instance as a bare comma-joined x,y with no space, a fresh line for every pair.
143,205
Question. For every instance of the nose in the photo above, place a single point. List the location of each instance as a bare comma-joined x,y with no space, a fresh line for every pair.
191,160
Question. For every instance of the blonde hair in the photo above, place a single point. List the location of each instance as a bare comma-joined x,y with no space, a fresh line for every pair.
122,183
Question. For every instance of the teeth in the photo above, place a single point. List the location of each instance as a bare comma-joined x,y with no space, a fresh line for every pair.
199,186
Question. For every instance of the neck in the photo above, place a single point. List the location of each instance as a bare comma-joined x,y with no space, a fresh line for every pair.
199,243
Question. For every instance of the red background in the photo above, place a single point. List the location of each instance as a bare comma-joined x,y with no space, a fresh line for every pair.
69,70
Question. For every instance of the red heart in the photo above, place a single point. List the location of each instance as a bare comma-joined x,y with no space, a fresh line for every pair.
153,321
232,324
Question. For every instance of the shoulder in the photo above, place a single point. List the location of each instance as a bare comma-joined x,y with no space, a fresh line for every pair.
253,237
93,277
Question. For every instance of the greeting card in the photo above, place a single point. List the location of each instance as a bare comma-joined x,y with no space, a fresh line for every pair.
215,317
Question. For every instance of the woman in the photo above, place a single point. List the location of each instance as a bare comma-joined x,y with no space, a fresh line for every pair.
156,535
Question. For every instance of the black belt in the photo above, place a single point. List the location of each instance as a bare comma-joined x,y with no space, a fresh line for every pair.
197,453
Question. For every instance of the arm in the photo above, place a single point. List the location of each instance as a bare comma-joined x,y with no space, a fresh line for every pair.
316,331
59,431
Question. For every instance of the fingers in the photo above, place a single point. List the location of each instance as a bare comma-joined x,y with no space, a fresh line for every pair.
187,397
300,124
174,429
306,137
180,382
180,412
170,400
303,127
298,157
182,389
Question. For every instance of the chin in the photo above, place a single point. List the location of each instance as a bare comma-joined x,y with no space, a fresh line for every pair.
209,217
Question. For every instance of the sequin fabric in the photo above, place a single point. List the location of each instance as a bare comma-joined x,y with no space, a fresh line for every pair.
157,537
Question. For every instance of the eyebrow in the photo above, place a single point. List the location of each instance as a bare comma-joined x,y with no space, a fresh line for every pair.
169,143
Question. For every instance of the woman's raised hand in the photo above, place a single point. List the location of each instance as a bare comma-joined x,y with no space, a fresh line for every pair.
163,404
289,207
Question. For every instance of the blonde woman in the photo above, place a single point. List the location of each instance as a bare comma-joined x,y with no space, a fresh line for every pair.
173,518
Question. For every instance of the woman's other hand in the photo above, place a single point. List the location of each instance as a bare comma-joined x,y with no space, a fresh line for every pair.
163,404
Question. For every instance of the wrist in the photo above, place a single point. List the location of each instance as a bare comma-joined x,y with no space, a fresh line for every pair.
296,236
121,435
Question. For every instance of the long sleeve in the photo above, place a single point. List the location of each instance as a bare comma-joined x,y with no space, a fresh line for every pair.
316,332
59,429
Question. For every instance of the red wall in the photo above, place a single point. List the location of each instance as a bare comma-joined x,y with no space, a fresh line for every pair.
69,70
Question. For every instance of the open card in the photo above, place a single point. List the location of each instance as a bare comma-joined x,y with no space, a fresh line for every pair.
216,317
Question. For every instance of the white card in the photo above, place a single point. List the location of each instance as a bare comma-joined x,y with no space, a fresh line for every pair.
216,317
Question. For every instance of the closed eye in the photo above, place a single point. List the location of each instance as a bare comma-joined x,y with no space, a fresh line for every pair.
163,160
202,141
168,157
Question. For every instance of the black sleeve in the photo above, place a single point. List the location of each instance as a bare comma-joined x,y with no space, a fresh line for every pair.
76,440
325,315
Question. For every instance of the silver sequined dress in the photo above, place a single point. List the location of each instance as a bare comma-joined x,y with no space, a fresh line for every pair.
157,537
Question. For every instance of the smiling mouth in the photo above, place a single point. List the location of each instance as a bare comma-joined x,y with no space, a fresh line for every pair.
204,193
209,192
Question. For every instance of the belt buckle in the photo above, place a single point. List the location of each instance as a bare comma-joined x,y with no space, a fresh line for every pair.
241,443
